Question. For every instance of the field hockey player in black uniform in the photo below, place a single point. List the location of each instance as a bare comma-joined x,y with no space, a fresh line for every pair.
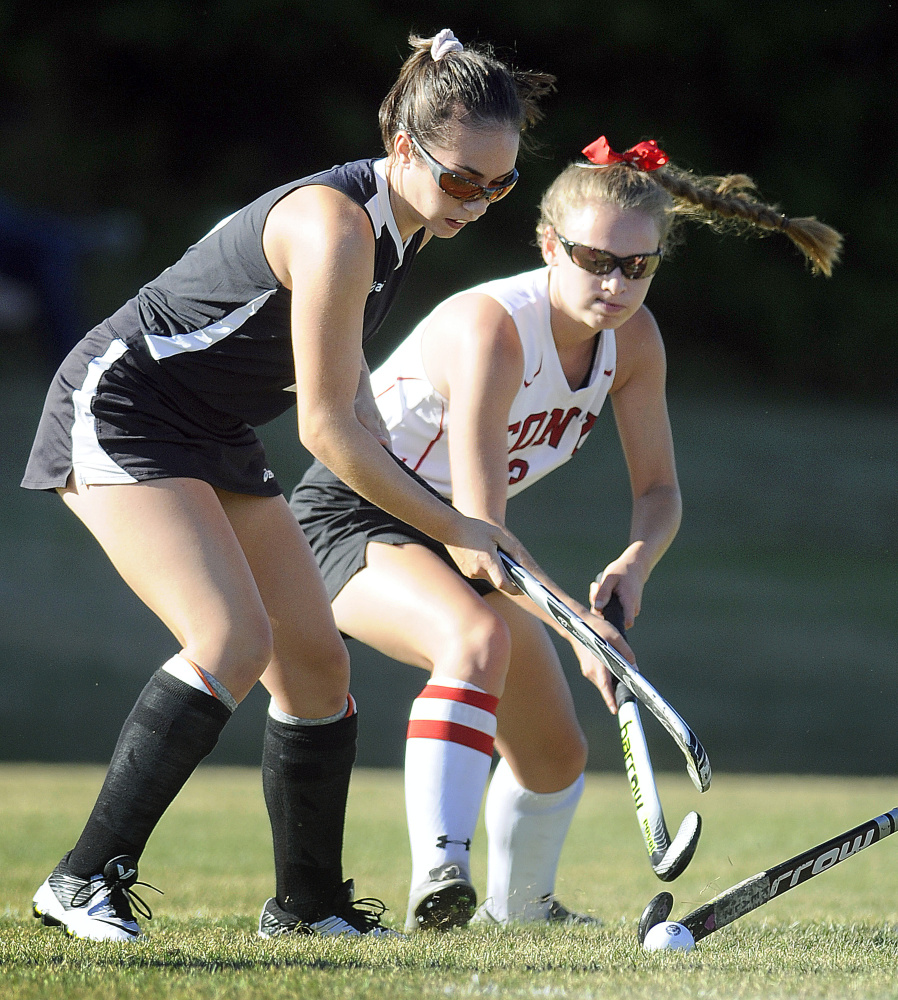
147,434
496,388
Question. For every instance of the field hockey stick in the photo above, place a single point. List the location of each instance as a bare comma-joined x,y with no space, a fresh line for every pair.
667,858
697,764
740,899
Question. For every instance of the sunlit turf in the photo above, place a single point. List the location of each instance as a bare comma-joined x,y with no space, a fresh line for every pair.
835,937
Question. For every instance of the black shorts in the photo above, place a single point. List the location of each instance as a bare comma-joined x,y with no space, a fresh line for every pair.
114,416
339,524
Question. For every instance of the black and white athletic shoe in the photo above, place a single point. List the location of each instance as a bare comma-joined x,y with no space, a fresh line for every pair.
447,899
96,908
548,910
350,916
559,914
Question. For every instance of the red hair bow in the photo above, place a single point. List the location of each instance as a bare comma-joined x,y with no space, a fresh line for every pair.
644,155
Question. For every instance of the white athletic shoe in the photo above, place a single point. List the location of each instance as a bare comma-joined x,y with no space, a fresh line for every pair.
447,899
550,912
96,908
350,917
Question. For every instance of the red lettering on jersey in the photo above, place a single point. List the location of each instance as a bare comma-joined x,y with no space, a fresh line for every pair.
588,425
557,425
517,469
531,427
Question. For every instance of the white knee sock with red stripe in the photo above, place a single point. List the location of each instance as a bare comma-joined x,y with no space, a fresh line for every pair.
526,832
448,754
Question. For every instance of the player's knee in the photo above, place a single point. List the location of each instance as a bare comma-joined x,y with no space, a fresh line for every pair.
237,650
312,647
328,660
575,754
253,643
484,651
560,761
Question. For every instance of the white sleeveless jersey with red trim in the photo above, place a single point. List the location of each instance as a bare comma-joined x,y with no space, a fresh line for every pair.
548,421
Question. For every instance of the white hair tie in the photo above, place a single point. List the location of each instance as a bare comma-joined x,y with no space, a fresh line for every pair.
444,42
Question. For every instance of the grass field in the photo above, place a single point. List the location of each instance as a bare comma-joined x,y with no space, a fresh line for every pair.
836,937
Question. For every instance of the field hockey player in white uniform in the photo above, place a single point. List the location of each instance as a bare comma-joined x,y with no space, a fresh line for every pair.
495,388
147,434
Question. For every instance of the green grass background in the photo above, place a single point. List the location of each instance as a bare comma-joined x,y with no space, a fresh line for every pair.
837,936
770,625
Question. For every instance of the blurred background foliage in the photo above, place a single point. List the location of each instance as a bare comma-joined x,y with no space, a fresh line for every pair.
172,114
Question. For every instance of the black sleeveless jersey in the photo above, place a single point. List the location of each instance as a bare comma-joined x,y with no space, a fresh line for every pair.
218,321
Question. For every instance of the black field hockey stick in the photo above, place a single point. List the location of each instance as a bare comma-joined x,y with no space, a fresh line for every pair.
697,763
761,888
667,858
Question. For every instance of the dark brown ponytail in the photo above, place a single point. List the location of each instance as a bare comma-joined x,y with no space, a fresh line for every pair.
465,84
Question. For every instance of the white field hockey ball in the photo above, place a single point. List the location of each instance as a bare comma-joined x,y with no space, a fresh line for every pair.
668,936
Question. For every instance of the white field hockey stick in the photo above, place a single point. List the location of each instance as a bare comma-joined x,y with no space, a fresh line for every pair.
697,763
667,858
761,888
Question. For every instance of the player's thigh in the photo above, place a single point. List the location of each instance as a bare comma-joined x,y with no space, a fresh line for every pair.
410,605
538,732
173,545
310,666
285,572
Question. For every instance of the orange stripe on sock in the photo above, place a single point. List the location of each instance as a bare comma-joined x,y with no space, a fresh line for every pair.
477,699
451,732
202,677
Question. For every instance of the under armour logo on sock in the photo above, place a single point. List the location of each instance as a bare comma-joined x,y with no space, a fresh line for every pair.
444,841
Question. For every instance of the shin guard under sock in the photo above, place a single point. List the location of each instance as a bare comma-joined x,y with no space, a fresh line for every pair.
526,832
171,728
305,777
448,752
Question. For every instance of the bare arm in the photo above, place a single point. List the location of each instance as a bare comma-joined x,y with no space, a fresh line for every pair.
320,244
473,356
366,410
640,409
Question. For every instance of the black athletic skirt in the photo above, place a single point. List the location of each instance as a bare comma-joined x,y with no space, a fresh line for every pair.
115,416
339,524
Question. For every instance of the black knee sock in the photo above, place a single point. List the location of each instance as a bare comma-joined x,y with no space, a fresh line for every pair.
171,728
305,777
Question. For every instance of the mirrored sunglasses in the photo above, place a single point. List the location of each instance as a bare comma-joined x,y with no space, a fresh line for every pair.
637,265
461,188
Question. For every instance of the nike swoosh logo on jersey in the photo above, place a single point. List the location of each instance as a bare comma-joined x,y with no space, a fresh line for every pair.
538,370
